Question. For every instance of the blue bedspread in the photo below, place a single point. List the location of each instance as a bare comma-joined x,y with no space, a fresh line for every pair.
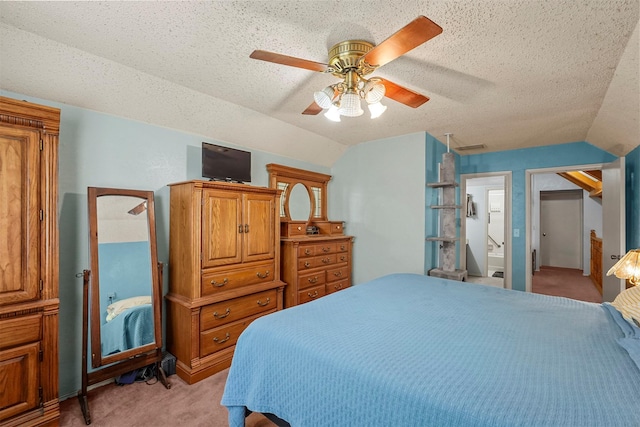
412,350
131,328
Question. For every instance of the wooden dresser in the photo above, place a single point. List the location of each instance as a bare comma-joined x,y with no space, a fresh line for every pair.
315,266
29,302
316,254
223,270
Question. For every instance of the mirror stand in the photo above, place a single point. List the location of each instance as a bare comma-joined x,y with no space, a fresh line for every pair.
119,368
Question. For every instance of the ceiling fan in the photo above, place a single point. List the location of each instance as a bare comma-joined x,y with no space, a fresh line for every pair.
351,61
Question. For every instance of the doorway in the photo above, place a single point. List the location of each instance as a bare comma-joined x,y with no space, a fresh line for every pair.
610,206
485,223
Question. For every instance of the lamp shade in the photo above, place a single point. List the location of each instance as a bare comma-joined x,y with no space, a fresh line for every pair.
350,105
324,97
333,114
377,109
628,267
373,92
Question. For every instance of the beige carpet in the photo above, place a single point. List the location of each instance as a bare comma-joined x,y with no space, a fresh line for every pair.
142,405
565,282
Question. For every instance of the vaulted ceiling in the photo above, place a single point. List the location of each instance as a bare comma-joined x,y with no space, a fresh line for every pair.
503,74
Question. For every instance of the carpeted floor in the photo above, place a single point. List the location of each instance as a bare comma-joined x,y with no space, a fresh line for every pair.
565,282
142,405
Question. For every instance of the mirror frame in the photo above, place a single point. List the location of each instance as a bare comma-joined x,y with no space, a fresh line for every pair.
309,179
97,358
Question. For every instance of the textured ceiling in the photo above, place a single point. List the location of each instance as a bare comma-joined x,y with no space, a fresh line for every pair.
506,74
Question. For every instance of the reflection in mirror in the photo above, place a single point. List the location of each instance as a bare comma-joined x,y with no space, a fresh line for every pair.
122,317
299,203
125,293
124,255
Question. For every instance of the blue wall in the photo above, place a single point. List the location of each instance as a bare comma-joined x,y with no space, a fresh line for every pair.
632,197
518,161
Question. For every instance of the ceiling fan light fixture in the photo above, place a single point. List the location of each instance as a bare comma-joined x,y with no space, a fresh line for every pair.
373,91
333,114
350,105
324,97
376,109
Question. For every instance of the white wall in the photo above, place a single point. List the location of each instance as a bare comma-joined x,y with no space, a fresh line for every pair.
592,213
379,190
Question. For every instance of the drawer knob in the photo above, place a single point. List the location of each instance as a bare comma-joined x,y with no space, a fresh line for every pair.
307,251
326,249
219,284
343,258
220,341
342,248
307,264
262,304
312,295
313,279
263,275
338,286
326,260
222,316
338,273
299,228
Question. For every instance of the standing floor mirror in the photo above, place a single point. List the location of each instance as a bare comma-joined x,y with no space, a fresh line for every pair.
122,312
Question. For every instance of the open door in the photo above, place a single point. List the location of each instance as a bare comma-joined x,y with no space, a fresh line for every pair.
613,227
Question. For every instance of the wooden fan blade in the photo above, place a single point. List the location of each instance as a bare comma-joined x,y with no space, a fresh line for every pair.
402,41
312,109
403,95
289,60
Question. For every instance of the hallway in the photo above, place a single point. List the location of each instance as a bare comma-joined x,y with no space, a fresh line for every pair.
565,282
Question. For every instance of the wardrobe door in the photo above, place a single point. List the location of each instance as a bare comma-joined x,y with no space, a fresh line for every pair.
19,215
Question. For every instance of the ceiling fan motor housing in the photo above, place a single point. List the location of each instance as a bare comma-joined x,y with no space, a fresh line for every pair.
345,56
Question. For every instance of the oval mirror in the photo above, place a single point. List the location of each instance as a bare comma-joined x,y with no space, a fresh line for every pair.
299,203
125,309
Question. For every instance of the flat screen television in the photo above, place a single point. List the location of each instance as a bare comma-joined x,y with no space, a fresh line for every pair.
225,164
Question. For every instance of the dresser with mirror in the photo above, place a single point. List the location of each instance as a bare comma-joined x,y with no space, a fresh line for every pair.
315,252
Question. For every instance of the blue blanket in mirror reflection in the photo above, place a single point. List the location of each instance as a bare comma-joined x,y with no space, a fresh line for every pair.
131,328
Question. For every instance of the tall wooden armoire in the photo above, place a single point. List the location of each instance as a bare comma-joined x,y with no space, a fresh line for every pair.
28,264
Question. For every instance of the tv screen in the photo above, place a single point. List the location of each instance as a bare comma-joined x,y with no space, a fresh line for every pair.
225,164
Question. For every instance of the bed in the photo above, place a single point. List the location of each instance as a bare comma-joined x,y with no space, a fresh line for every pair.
413,350
130,328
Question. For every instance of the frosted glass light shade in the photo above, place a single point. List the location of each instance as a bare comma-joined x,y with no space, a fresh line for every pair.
628,267
333,114
350,105
373,92
377,109
324,97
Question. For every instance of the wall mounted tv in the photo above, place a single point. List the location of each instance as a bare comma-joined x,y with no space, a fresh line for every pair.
225,164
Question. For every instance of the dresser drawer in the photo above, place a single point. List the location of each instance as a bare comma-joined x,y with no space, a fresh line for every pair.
296,229
310,294
311,279
316,249
337,286
317,261
223,281
342,246
231,310
20,330
217,339
337,228
338,273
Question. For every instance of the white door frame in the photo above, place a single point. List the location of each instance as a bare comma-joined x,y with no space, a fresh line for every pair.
507,221
528,196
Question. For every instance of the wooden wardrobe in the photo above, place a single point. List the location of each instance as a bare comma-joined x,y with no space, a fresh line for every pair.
28,264
224,260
